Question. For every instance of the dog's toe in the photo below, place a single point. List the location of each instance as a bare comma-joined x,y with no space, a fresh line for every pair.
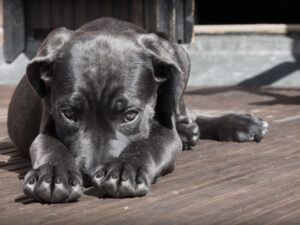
121,179
242,128
52,184
30,184
188,131
265,127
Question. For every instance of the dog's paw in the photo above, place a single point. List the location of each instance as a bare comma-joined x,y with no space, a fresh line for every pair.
188,131
242,128
122,179
52,184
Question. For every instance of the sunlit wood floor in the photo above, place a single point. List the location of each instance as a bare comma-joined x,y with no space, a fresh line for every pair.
215,183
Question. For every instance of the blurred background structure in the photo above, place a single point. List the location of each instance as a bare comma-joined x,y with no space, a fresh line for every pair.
230,42
244,48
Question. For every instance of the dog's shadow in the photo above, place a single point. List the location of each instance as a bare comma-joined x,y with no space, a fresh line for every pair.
12,161
94,192
23,199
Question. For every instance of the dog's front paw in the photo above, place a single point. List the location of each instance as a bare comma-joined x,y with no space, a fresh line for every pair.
242,128
188,131
53,184
122,179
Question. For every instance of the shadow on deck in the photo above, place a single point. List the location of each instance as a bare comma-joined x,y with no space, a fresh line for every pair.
215,183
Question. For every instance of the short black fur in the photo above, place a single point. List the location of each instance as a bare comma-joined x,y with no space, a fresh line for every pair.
68,112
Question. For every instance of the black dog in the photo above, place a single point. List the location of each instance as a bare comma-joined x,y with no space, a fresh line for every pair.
103,105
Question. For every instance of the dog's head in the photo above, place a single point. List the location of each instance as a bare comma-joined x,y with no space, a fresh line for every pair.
103,91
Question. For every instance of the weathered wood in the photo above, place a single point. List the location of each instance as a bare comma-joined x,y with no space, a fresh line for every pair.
106,8
57,12
150,12
67,14
171,19
179,7
93,7
33,20
247,28
189,9
166,18
80,13
215,183
14,26
1,13
45,15
121,10
136,12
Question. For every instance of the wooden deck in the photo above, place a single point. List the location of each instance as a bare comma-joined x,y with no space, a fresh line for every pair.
216,183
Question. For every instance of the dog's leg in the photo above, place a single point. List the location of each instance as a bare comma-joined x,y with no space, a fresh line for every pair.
54,177
187,128
132,173
232,127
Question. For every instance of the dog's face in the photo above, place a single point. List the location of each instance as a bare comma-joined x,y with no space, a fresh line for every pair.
102,92
105,98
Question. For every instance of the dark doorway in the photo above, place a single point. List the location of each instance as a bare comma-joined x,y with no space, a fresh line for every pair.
247,12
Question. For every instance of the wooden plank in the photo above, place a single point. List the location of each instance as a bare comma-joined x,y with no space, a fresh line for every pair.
41,12
44,15
215,183
80,13
67,14
14,26
32,17
1,13
247,28
106,8
170,19
57,12
166,19
92,9
1,22
150,15
136,12
179,7
189,8
121,9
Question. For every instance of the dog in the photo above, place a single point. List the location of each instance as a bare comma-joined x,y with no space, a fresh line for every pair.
102,105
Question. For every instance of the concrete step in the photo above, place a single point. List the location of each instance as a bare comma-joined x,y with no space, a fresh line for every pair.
249,60
218,60
11,73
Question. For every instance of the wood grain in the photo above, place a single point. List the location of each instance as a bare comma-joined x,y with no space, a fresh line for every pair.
215,183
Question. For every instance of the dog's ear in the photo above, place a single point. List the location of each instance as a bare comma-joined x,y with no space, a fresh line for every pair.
39,69
171,67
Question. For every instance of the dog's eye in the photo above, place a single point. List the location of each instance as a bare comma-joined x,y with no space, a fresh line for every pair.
130,116
69,114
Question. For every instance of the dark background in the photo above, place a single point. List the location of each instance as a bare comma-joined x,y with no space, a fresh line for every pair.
247,11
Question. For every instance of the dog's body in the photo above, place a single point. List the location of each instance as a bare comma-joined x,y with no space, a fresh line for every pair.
103,105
